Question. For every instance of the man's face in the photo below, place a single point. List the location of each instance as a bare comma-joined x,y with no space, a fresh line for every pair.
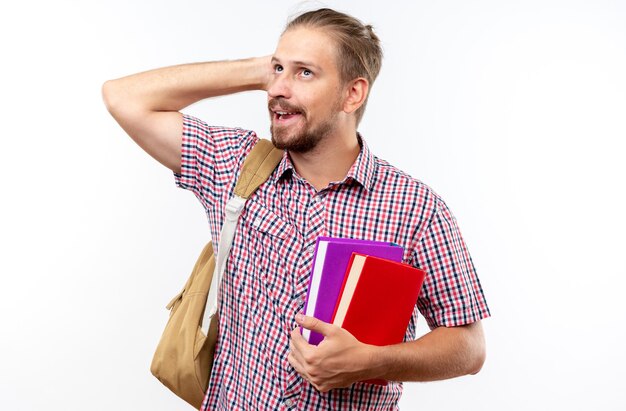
305,93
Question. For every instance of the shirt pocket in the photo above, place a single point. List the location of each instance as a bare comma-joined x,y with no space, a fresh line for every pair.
264,221
271,237
275,246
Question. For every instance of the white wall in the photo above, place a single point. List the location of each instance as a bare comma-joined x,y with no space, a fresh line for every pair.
512,111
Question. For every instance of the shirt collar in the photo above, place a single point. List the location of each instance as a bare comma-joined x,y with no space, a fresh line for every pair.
362,171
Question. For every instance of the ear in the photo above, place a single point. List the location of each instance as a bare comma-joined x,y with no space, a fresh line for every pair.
356,93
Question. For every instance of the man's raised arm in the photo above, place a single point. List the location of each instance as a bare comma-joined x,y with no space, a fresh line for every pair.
146,105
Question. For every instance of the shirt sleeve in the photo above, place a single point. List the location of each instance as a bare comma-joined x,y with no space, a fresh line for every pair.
210,156
451,294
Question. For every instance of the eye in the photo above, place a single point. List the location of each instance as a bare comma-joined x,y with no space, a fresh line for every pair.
278,68
307,73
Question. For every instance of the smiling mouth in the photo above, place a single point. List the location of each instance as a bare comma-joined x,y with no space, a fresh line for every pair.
285,115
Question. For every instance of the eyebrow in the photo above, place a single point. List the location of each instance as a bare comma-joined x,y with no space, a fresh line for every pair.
299,63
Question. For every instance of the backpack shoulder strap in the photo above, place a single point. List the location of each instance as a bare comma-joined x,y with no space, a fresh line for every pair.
257,167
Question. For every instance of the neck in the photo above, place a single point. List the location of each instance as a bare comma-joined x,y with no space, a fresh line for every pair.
329,161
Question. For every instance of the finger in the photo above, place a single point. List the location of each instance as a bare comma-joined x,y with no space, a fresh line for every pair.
299,345
313,324
295,363
297,338
298,365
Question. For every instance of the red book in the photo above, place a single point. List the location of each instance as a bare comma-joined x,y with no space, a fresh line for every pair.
377,300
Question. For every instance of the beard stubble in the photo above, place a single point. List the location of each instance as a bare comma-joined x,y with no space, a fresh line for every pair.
307,137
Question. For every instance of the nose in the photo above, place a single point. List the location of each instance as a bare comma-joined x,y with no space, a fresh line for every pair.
279,87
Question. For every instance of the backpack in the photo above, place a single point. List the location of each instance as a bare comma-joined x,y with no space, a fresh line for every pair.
184,356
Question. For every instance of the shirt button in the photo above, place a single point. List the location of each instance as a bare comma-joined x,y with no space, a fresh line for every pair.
310,249
289,402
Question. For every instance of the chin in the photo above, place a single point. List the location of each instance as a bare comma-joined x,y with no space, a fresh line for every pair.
282,137
300,139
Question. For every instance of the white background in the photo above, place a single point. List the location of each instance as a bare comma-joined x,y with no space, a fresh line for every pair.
512,111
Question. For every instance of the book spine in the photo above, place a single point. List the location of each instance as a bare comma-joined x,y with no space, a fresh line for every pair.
343,287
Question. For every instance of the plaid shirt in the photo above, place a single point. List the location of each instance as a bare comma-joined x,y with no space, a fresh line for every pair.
270,262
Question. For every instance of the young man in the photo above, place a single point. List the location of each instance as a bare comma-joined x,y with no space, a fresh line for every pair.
328,183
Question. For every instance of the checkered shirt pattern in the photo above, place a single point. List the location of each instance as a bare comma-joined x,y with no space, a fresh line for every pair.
270,262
